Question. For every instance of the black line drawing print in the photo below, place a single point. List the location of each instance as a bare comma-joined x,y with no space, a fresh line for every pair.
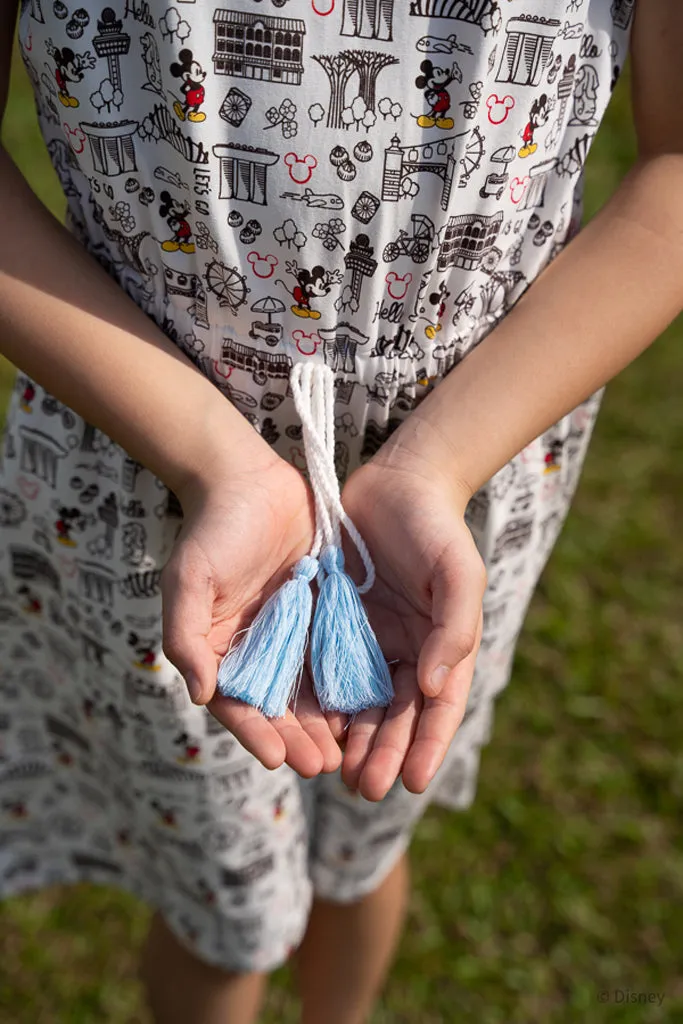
469,242
289,234
267,330
318,200
585,102
477,309
417,245
160,124
235,106
402,162
68,69
28,564
263,366
359,260
227,284
365,207
526,50
283,117
484,13
243,171
539,176
129,247
187,286
111,43
106,96
340,344
139,11
368,19
173,26
571,162
622,12
340,69
111,146
63,162
150,58
329,233
440,44
497,180
37,11
565,88
39,454
257,46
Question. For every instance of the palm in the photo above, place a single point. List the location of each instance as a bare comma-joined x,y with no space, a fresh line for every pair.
236,546
415,539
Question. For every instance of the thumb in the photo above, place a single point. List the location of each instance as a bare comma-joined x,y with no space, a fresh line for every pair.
458,585
187,602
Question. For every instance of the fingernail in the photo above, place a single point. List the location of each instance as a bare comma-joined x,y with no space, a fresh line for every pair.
194,687
439,677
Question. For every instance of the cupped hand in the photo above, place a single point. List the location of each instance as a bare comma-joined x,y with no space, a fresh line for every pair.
426,609
240,537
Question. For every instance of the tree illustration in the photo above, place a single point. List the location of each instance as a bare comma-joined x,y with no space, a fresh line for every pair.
341,67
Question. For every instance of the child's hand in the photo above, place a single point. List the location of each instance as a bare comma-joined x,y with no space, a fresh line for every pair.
426,609
238,543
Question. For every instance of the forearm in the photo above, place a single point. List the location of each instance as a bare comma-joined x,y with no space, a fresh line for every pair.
69,326
598,305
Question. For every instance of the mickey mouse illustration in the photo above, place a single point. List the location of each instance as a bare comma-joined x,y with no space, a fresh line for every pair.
69,67
145,652
32,602
68,519
192,75
435,81
166,814
538,115
175,212
27,395
310,284
553,456
438,299
190,747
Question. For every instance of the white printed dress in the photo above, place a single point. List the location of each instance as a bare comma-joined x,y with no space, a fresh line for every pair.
371,183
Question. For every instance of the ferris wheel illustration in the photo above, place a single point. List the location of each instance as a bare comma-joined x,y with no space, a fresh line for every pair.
472,156
227,284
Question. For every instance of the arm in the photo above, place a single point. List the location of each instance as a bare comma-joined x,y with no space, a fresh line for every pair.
601,302
70,327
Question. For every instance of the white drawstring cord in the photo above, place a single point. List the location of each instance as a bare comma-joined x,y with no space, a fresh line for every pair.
312,387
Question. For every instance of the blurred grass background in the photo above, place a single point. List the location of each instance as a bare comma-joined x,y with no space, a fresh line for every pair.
566,878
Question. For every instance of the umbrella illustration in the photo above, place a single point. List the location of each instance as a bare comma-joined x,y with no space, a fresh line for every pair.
268,329
504,155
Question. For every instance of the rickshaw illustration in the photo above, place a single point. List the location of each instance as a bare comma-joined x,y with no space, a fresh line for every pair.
418,245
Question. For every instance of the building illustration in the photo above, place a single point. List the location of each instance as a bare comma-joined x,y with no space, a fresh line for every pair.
400,162
111,146
468,241
539,175
111,42
39,454
359,261
244,170
96,582
473,11
526,50
258,46
340,344
364,67
368,19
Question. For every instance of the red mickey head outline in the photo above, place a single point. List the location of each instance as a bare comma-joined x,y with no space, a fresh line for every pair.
507,103
394,281
307,163
299,337
254,258
323,14
220,372
75,133
518,187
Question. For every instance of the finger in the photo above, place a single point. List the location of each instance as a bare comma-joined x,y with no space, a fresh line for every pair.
459,582
314,723
186,604
394,737
303,754
360,737
439,721
255,732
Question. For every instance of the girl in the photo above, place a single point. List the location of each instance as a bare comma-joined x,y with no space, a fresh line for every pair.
150,421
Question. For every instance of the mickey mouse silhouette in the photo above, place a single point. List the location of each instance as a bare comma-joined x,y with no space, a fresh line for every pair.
146,655
175,212
191,750
438,299
310,284
69,67
68,519
435,81
192,75
538,115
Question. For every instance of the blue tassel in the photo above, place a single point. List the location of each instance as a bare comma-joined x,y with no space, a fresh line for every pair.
265,666
350,672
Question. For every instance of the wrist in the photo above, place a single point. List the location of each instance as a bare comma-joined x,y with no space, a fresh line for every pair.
419,450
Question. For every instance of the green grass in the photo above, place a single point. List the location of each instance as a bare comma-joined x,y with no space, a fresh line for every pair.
565,879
